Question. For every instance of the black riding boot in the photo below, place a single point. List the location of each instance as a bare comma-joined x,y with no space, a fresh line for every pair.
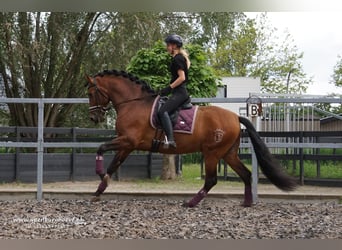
167,126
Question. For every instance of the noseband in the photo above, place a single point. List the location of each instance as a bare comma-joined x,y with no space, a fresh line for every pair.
97,92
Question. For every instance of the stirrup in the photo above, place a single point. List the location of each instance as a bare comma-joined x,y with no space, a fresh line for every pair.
168,144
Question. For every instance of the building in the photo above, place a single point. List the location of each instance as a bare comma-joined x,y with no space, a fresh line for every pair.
275,116
331,124
237,87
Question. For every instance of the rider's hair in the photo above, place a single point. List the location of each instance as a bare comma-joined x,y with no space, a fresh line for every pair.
184,53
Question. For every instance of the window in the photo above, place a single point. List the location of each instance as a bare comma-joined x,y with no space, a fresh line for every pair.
222,92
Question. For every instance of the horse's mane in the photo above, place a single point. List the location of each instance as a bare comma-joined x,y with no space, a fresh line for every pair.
144,85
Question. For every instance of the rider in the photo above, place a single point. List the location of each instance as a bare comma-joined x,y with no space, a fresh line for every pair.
180,64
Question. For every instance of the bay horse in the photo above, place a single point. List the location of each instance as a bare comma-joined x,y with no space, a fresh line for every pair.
132,100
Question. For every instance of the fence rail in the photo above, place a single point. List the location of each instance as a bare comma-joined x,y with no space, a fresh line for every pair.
40,144
66,166
80,138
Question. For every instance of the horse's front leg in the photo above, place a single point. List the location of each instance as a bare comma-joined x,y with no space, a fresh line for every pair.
124,146
121,143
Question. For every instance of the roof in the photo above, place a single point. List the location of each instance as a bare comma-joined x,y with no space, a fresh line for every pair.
330,119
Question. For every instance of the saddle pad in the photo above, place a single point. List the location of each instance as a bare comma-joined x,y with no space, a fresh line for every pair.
185,122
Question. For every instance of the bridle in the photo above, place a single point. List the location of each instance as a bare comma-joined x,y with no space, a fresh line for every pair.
105,109
98,107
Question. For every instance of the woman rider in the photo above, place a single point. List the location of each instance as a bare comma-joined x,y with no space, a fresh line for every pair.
180,64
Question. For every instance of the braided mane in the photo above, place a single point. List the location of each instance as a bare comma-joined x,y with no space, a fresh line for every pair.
144,85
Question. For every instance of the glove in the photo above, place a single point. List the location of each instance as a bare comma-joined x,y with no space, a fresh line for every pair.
165,91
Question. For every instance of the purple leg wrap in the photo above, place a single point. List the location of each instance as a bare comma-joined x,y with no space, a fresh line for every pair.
197,198
99,165
102,187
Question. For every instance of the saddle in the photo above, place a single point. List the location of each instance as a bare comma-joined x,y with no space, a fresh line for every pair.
173,116
183,120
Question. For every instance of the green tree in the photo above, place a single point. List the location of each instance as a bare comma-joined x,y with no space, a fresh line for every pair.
43,55
332,108
235,54
181,23
128,33
211,29
152,64
277,61
47,55
337,81
337,73
251,47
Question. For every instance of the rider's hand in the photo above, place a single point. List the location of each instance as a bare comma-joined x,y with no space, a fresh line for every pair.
165,91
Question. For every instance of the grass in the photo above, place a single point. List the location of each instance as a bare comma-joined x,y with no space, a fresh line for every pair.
190,179
329,170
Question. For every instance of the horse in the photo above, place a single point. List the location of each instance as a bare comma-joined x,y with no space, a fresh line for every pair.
216,134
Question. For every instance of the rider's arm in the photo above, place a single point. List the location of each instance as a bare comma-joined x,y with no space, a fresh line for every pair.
179,80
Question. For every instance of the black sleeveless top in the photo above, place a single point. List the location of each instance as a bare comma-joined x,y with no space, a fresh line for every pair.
179,62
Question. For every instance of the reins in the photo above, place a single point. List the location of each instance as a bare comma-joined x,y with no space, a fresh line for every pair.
104,109
131,100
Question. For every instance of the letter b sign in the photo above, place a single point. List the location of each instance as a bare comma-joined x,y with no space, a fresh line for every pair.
253,110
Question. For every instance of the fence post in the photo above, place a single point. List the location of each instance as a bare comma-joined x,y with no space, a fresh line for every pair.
17,155
301,161
255,177
255,174
318,162
149,165
73,155
225,171
40,149
254,112
255,170
202,166
179,163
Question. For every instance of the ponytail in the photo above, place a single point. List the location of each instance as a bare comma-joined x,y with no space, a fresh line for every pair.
186,56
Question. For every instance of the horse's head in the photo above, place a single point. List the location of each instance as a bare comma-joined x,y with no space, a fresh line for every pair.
98,100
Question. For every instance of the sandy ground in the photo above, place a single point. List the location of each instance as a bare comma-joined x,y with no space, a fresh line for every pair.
167,187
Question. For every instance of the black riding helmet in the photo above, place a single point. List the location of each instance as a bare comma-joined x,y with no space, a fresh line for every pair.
174,39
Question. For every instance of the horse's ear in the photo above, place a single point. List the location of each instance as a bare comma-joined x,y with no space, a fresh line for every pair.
89,79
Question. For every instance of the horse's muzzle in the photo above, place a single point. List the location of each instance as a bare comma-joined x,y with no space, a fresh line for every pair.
97,113
93,118
96,117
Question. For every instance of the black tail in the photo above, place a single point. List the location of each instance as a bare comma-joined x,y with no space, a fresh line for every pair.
269,165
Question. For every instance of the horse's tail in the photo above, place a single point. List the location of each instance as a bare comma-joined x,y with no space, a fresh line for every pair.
270,166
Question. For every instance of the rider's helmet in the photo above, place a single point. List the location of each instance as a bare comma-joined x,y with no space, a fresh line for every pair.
174,39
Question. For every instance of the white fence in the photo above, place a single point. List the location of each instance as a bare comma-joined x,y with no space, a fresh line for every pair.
40,144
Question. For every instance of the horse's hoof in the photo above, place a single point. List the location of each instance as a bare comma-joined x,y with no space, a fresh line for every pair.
246,204
185,204
95,199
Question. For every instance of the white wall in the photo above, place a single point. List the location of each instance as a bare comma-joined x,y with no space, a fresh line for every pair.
239,87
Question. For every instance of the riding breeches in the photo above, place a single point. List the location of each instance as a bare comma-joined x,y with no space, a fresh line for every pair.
174,102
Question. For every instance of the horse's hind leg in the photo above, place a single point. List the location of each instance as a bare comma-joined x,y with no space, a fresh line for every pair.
210,180
235,163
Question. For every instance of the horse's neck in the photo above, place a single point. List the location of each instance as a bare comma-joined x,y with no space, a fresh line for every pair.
121,91
128,94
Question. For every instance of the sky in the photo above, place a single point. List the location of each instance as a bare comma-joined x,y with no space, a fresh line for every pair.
319,36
